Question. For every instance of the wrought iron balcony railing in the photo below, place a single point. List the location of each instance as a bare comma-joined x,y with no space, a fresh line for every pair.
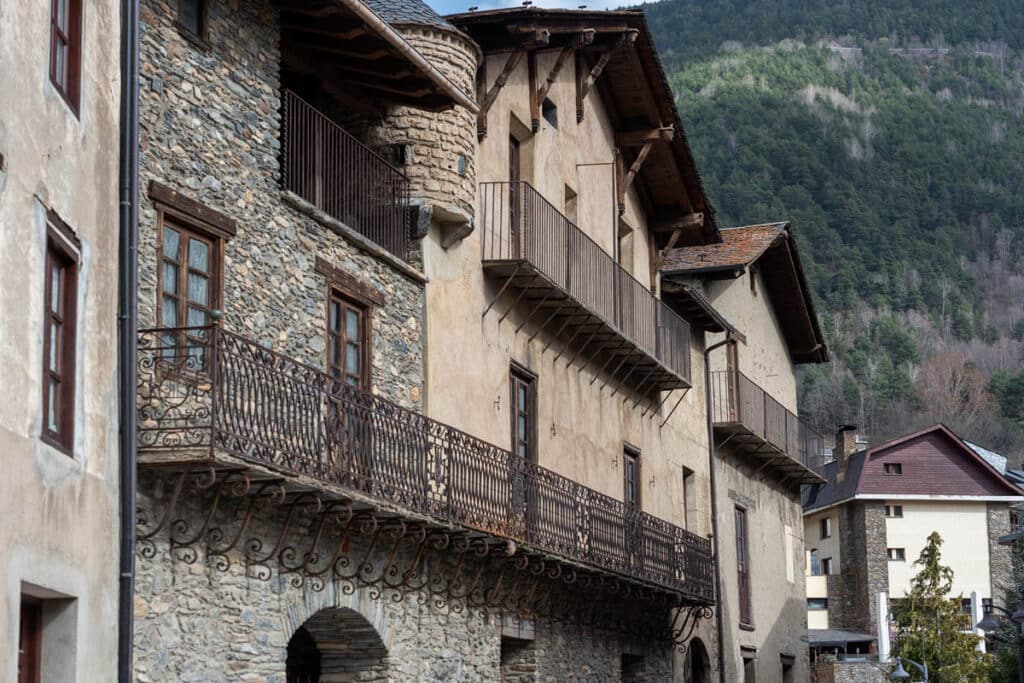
747,411
523,234
230,396
329,168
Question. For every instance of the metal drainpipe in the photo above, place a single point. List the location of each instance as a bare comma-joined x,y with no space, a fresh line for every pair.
714,499
127,322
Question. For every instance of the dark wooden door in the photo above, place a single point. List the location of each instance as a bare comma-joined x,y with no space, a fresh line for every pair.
514,195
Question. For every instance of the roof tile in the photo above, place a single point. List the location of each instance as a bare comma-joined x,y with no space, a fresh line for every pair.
739,247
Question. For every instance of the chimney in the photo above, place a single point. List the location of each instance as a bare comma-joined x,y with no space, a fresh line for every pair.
846,444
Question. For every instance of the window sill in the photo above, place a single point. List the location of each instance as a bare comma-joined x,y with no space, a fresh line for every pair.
198,42
57,445
746,627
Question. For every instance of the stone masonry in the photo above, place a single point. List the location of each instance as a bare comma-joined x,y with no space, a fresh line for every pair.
210,128
827,671
197,620
864,570
1000,557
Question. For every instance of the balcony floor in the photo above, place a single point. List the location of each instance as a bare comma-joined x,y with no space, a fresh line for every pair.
757,448
587,332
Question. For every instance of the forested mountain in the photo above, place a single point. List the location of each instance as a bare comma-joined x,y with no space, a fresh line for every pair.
891,134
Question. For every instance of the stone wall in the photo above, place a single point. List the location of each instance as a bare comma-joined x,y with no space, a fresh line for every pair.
864,571
850,672
210,127
211,618
1000,557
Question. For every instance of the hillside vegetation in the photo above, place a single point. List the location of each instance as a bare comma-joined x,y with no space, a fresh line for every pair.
891,135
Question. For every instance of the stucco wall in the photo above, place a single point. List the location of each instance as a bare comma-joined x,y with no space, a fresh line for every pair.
777,581
583,424
965,549
826,547
59,512
764,357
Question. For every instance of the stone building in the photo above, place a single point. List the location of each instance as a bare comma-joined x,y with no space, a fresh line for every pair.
318,498
58,340
869,520
751,290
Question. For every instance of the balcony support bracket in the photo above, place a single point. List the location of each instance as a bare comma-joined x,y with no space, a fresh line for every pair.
501,290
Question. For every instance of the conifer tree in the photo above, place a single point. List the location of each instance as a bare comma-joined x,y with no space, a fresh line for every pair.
930,624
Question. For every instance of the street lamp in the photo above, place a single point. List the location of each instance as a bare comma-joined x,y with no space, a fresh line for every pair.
990,623
900,674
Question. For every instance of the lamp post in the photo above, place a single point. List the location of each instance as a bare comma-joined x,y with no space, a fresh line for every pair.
990,623
900,674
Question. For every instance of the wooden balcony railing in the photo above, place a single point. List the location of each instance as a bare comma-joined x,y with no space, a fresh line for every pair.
737,400
519,225
324,165
227,395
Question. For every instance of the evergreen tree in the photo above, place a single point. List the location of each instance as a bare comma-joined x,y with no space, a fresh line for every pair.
1005,639
929,624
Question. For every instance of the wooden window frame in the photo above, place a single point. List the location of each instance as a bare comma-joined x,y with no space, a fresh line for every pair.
71,87
825,527
632,454
519,375
337,292
826,566
742,528
891,511
30,637
202,38
62,247
896,554
895,471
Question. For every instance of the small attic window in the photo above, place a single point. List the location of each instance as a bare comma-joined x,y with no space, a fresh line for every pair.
892,469
550,112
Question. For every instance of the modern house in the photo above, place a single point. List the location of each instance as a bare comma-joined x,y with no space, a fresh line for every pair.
870,519
750,293
58,340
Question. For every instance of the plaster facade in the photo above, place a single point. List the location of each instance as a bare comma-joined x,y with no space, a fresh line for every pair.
59,537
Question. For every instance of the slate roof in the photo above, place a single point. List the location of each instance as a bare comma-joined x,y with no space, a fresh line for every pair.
739,248
398,12
831,492
829,636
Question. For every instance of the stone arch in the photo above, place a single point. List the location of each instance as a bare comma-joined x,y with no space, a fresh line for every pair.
336,643
698,663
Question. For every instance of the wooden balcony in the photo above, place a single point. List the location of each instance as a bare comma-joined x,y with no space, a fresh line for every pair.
212,398
331,170
572,287
754,423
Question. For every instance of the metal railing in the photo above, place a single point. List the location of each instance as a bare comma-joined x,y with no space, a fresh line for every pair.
329,168
736,398
231,395
519,224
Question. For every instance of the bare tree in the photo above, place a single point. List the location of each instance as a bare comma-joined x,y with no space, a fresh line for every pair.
953,391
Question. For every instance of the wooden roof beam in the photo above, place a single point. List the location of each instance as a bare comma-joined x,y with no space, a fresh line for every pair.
683,222
638,138
585,83
566,28
538,38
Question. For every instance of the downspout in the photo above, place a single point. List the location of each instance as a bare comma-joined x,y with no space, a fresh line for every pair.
127,324
719,623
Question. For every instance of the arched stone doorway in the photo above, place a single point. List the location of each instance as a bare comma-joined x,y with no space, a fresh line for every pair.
698,664
336,643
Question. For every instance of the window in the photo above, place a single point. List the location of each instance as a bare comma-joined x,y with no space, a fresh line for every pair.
897,554
30,640
815,562
753,280
59,341
631,476
825,527
817,603
190,277
743,567
347,341
893,510
826,566
893,469
550,112
192,18
571,205
689,498
523,387
66,49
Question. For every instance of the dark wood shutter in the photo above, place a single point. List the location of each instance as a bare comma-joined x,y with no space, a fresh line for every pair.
59,342
66,49
743,566
30,640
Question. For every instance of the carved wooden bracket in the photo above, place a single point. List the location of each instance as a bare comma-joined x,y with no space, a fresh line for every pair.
539,38
585,82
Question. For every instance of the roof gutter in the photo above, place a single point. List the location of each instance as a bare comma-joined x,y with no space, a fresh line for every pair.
395,39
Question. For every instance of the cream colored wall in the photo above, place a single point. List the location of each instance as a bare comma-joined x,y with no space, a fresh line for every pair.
827,547
764,357
583,424
778,583
817,587
963,526
60,522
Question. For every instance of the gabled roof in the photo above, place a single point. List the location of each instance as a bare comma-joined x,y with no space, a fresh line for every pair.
935,462
771,248
634,91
